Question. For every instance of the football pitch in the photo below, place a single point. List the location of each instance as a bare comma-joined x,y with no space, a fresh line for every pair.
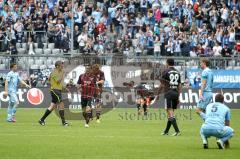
120,135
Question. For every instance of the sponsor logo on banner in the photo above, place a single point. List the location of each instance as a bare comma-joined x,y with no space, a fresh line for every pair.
123,98
35,96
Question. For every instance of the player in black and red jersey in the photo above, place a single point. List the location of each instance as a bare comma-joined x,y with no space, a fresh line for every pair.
99,80
87,85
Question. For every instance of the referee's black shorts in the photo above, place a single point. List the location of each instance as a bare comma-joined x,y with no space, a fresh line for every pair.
171,99
56,96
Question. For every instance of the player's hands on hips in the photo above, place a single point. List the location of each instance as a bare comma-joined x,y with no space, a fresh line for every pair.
201,97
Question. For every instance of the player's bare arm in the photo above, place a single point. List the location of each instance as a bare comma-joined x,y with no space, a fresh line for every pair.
25,84
6,88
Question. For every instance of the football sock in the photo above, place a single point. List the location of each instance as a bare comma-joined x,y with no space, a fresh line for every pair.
47,112
61,113
98,115
89,115
85,117
174,123
169,124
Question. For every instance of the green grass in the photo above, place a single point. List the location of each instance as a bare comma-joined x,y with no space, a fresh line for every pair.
116,137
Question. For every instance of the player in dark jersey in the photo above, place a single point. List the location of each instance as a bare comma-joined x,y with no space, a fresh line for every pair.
99,80
171,86
86,84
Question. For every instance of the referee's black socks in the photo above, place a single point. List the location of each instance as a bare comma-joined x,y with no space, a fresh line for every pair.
45,115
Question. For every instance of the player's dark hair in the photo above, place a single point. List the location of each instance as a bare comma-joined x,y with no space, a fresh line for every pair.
206,61
219,98
12,65
170,62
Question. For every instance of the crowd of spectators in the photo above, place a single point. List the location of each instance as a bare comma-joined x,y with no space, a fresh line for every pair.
152,27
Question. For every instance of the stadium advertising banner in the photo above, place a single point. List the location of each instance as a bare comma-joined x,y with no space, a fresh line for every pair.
119,98
221,78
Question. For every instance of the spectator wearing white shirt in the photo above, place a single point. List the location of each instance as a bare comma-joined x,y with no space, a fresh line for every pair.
30,47
97,14
231,39
82,40
169,47
18,27
165,8
177,47
224,14
213,17
157,47
79,18
217,50
111,12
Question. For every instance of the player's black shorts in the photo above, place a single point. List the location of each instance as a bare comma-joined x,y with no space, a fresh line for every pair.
56,96
86,102
171,99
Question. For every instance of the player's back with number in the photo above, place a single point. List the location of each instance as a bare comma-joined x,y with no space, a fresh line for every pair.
172,78
216,115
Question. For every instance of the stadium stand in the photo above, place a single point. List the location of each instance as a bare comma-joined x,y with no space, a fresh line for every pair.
36,33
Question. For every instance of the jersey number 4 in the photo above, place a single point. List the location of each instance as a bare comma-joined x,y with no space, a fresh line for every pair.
174,79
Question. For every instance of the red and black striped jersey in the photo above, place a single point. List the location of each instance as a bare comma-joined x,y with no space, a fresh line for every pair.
88,85
99,77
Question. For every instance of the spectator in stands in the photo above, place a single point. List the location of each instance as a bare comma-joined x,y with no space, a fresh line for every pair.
224,14
76,33
199,17
30,46
217,50
33,81
165,8
70,84
213,17
82,40
231,40
226,51
2,41
157,47
203,21
13,51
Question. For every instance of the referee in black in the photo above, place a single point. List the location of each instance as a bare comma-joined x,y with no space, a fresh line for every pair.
57,81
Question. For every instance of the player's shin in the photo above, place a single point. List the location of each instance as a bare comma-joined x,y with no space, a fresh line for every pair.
9,111
61,113
14,109
168,126
174,123
98,111
46,114
204,139
88,114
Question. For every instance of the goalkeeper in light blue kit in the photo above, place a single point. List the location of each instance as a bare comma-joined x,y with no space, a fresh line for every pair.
216,123
11,86
205,96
